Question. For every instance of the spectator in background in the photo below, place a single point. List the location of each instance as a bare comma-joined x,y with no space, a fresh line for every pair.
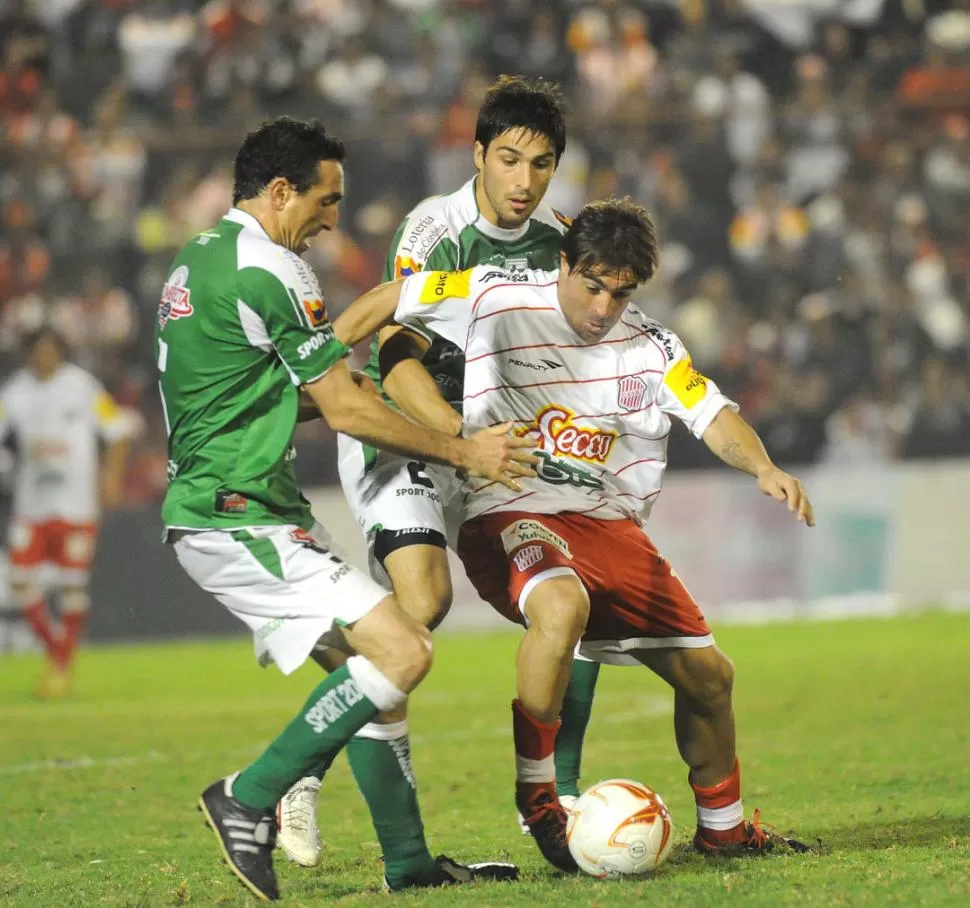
352,78
741,101
151,37
109,168
816,133
861,433
940,83
790,167
941,424
24,258
946,172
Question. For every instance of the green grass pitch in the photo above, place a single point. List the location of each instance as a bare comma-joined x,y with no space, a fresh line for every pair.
855,734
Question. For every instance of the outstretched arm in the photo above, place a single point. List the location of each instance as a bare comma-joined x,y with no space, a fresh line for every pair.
489,454
739,446
368,313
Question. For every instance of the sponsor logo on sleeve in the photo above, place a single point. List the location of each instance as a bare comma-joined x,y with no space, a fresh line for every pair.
532,532
686,383
175,302
315,311
631,392
421,237
308,290
405,266
442,285
663,339
314,343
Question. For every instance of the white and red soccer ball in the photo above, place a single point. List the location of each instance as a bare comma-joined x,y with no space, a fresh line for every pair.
619,829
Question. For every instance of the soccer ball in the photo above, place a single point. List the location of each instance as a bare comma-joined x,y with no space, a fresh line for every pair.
619,828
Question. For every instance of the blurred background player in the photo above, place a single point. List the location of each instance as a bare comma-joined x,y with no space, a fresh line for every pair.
405,507
56,416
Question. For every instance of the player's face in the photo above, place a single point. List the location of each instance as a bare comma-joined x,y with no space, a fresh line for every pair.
304,214
513,176
45,357
593,301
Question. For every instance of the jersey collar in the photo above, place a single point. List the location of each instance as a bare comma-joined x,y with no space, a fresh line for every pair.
238,216
486,227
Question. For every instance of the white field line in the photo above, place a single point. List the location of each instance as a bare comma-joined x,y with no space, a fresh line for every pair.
645,708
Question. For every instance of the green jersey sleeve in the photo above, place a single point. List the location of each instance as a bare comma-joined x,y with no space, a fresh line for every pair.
282,308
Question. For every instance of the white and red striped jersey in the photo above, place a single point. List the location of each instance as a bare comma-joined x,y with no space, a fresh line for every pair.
57,424
600,412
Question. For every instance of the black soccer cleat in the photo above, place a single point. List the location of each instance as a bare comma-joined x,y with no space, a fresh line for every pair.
246,838
446,872
762,839
546,819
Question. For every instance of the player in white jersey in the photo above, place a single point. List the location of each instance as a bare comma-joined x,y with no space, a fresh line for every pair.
55,416
567,556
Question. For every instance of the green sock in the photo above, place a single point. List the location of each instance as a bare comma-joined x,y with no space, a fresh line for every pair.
576,709
329,718
382,769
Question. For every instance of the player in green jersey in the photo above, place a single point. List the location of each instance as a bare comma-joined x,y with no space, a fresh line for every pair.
407,507
242,326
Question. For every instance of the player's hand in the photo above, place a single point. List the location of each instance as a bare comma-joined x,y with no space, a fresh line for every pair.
783,487
494,454
364,382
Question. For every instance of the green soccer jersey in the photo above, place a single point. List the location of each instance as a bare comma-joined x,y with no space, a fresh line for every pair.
241,325
448,233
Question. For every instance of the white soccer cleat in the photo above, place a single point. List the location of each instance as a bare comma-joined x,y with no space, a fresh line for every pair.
567,801
296,817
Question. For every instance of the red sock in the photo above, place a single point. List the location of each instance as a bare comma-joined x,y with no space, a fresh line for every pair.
36,615
73,629
535,741
720,813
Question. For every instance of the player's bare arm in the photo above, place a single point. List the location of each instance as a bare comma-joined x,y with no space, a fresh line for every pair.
738,445
489,454
409,384
113,472
368,313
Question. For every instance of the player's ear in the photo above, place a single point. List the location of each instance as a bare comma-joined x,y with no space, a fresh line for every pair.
478,156
279,191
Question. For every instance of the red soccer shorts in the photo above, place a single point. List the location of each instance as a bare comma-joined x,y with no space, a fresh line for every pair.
636,599
67,548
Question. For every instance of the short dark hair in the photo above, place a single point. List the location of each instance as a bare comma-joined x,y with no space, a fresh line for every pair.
283,147
612,234
534,105
44,331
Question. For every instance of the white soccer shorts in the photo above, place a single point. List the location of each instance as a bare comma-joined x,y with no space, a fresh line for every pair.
283,582
397,494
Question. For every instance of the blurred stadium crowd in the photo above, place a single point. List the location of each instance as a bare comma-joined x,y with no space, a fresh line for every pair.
808,163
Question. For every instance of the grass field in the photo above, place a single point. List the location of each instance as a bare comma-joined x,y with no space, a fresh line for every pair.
854,734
